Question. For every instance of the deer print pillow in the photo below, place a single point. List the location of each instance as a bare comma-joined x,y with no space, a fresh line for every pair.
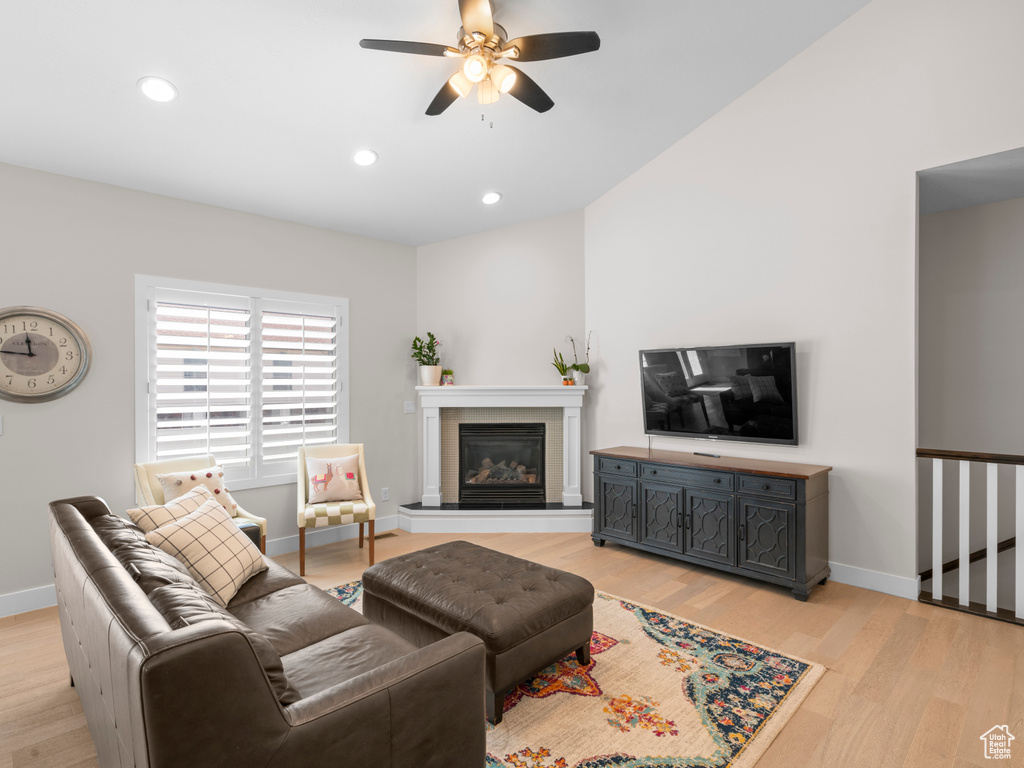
333,478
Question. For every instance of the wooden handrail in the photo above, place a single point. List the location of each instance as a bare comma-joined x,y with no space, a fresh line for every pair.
977,555
986,458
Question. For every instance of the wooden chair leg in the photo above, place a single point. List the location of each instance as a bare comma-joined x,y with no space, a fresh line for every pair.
360,535
302,551
263,544
371,542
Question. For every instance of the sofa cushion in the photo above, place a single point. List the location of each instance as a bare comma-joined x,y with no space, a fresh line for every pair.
343,656
764,389
186,604
298,616
218,555
263,583
152,517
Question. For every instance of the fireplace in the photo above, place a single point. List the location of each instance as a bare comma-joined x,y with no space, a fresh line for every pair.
501,463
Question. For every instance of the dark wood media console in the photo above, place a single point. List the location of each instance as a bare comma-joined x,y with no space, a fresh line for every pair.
764,519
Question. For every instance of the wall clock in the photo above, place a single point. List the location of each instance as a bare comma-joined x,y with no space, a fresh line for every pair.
43,355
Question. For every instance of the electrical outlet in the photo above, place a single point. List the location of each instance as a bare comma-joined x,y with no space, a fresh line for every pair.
410,406
384,494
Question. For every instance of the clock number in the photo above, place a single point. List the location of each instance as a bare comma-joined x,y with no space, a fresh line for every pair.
31,383
10,379
51,330
69,355
63,342
29,326
50,380
63,369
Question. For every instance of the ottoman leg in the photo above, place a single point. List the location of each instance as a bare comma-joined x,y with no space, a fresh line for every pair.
495,706
583,654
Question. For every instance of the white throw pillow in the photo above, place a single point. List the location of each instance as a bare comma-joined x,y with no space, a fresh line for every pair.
333,479
177,483
152,517
216,552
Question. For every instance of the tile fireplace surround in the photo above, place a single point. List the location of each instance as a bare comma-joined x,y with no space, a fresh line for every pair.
433,516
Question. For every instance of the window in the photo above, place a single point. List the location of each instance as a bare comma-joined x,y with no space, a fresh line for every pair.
245,375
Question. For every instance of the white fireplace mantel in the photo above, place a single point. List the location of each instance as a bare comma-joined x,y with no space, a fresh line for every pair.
569,399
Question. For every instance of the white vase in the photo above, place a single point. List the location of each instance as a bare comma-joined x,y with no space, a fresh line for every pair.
430,375
579,377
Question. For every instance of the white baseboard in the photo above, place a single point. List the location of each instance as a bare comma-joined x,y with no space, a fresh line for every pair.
495,521
316,538
28,600
900,586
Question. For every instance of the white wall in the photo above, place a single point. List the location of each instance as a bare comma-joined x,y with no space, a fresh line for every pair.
74,247
791,216
500,301
972,313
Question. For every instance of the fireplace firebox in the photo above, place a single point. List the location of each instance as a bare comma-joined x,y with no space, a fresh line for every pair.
501,463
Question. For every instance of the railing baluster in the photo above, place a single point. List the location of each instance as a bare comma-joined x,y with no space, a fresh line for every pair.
965,533
937,529
1018,587
992,532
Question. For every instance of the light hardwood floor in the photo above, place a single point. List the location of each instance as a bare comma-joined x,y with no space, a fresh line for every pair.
907,684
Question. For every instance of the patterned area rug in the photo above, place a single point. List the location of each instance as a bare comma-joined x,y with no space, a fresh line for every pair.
659,692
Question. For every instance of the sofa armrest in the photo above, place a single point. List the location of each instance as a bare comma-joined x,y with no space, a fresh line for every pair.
434,711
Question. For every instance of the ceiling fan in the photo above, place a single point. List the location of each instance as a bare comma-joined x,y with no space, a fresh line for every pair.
485,48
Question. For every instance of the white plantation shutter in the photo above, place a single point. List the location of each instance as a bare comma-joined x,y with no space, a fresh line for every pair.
299,384
247,378
202,396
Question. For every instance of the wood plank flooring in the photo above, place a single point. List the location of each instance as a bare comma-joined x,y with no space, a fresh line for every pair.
908,684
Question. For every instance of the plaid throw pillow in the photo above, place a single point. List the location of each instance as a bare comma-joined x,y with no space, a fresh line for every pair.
217,554
764,389
152,517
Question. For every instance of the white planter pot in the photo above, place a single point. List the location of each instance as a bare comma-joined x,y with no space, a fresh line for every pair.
579,377
430,375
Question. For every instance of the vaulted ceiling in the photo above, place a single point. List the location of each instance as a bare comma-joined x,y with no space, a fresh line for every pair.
275,97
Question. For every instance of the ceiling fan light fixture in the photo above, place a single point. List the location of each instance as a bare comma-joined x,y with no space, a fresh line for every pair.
486,93
475,67
462,84
503,78
491,198
365,157
158,89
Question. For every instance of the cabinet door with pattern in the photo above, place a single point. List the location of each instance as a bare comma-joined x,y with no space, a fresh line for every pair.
616,511
768,537
709,528
661,516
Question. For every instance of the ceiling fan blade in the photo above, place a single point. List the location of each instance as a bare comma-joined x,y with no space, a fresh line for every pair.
528,92
401,46
442,100
554,45
476,16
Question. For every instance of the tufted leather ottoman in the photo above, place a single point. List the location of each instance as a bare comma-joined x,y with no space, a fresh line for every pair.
528,615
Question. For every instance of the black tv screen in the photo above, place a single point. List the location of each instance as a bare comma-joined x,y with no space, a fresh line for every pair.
745,393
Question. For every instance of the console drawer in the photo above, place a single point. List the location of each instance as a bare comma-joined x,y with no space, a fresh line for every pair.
688,477
612,466
776,487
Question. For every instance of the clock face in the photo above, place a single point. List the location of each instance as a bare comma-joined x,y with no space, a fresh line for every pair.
43,355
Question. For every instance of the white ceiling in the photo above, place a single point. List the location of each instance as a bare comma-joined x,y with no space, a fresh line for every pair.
276,96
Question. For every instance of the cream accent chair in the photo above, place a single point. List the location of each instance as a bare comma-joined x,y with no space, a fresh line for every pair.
148,490
332,512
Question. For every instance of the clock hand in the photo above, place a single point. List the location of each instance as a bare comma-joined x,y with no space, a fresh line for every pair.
12,352
28,343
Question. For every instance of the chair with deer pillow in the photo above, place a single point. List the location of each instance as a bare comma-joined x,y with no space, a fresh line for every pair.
157,482
333,490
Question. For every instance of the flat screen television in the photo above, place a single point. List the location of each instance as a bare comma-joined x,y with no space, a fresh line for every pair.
745,393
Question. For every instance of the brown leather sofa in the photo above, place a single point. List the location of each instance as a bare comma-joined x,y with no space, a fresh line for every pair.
286,676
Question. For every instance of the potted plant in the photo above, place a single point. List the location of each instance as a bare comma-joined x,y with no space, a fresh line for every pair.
579,370
425,353
447,377
563,368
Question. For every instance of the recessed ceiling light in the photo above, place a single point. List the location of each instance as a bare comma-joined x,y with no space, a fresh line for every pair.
365,157
491,198
158,89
